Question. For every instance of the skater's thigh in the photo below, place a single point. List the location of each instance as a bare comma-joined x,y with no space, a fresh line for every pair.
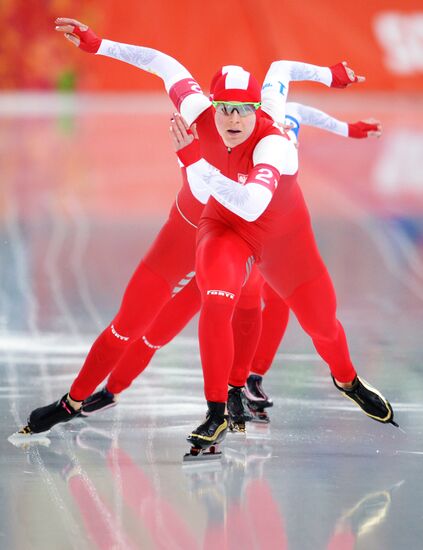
291,260
172,254
222,261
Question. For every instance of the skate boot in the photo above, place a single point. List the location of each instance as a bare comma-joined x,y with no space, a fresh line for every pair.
238,410
257,399
370,400
44,418
98,401
208,435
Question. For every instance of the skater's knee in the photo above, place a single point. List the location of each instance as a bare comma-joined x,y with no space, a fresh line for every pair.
316,315
219,299
121,335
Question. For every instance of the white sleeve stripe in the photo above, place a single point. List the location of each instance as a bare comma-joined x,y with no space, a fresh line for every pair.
169,82
192,106
271,150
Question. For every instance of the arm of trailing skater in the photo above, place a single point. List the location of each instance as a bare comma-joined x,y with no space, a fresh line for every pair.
182,88
310,116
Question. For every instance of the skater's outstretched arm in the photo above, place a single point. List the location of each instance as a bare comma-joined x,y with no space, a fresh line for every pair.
182,88
281,73
310,116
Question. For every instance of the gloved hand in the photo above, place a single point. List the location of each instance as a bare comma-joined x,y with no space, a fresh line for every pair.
79,34
185,140
365,128
343,76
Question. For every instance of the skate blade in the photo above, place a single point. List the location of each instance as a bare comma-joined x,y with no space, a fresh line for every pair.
199,456
257,420
24,440
202,458
237,429
256,405
398,426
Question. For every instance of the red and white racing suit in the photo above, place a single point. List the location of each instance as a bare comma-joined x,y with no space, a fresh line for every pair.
258,330
239,224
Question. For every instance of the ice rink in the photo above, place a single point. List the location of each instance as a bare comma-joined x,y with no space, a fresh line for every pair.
85,185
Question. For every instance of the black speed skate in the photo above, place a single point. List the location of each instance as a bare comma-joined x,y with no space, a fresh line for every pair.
98,401
370,400
208,435
44,418
238,410
258,401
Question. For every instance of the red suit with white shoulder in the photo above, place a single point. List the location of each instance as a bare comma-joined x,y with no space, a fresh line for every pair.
262,219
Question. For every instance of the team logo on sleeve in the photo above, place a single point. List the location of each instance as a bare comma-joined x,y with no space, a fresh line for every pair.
242,178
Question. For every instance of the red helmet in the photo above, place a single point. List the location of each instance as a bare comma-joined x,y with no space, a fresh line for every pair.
233,83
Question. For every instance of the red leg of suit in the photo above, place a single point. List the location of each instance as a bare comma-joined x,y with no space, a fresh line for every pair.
172,319
291,264
314,304
247,327
220,267
275,317
144,288
171,256
302,280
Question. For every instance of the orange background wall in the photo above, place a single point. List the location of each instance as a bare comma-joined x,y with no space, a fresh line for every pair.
382,39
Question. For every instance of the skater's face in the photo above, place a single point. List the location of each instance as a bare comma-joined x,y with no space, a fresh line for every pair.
235,125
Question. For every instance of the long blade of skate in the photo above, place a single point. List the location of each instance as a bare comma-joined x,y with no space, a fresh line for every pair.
19,439
201,457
